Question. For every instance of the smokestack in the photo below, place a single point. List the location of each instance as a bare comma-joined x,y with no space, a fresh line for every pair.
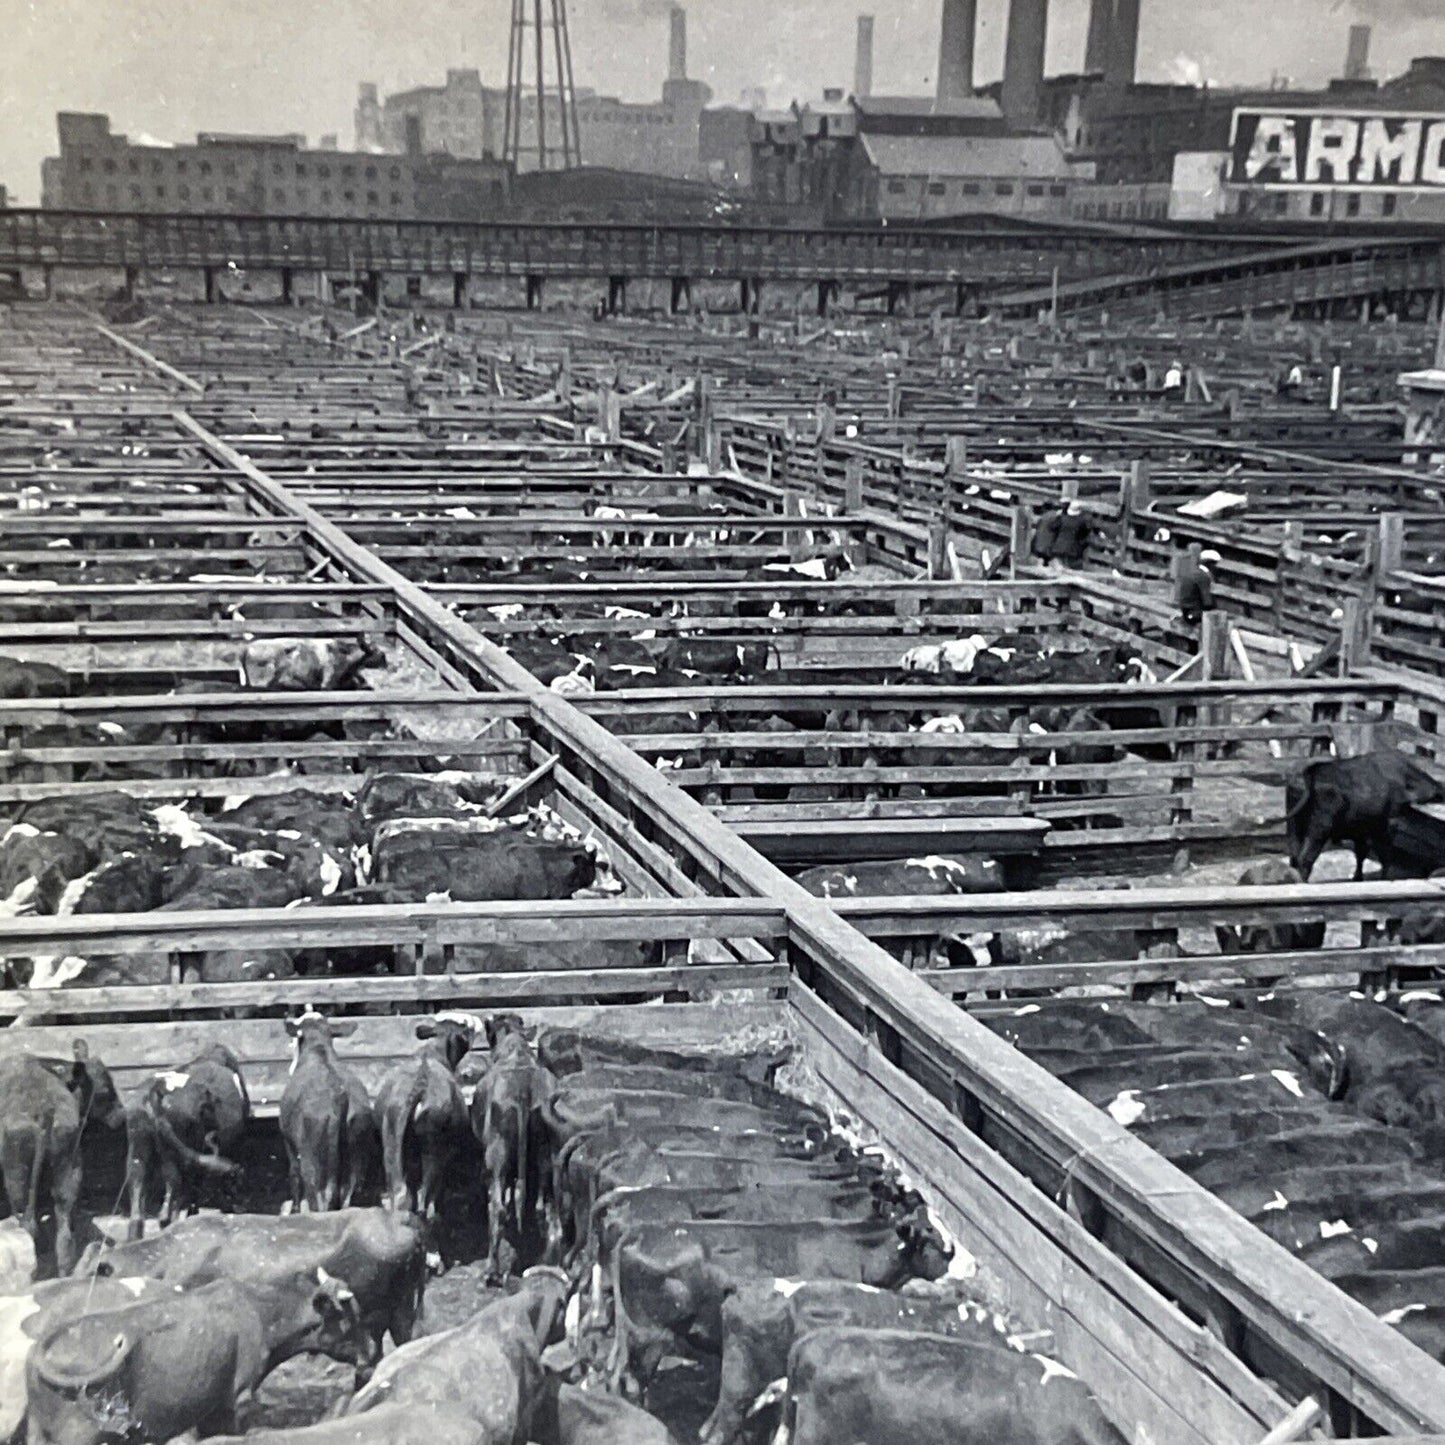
955,49
1023,65
1124,47
677,48
863,63
1101,36
1357,58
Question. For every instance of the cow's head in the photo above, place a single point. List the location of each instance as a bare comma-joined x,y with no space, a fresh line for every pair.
925,1251
452,1034
92,1084
503,1026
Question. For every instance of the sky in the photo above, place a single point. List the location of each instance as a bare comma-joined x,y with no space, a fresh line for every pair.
166,69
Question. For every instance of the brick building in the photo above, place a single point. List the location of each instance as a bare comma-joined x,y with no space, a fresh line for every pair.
98,170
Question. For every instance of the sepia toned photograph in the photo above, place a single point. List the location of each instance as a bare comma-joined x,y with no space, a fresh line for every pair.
721,722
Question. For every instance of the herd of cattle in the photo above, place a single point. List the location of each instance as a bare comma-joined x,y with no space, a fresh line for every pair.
401,838
1317,1115
644,1208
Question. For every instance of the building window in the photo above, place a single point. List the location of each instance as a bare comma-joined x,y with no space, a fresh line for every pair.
134,166
231,194
180,168
937,188
136,195
300,168
972,188
229,169
396,198
278,197
275,168
371,198
184,192
371,173
1389,204
1058,190
155,165
1281,205
325,198
1352,204
396,173
85,163
205,168
348,195
207,195
347,172
108,166
897,188
160,193
1317,203
110,196
1004,188
323,171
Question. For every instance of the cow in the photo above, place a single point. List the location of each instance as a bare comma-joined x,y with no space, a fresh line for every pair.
386,797
567,1051
1353,800
492,865
423,1115
764,1318
182,1126
45,1105
931,877
1270,938
176,1362
25,1318
491,1366
26,680
895,1387
508,1119
326,1120
379,1256
566,1415
669,1281
285,664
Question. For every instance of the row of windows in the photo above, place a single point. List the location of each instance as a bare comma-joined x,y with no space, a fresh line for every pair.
346,171
975,188
138,196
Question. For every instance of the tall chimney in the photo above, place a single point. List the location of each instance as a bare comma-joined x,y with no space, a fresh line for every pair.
955,49
863,61
677,48
1124,47
1357,58
1023,64
1101,36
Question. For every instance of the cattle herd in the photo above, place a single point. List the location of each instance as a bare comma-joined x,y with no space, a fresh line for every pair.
646,1216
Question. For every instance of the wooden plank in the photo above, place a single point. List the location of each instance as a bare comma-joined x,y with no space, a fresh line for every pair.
841,840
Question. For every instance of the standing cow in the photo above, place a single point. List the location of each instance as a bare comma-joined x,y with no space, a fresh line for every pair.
326,1120
44,1107
1355,801
508,1119
182,1127
423,1114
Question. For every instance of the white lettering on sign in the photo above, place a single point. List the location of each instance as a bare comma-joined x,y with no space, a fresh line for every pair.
1275,150
1333,145
1432,155
1388,158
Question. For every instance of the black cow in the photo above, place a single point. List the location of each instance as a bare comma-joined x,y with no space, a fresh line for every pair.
181,1362
378,1255
892,1387
669,1281
423,1114
502,865
1356,801
1270,938
508,1119
25,680
763,1320
181,1128
44,1107
326,1120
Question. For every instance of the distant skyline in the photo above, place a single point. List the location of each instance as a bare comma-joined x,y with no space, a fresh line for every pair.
166,69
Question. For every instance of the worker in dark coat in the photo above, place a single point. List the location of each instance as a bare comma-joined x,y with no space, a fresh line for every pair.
1195,594
1062,536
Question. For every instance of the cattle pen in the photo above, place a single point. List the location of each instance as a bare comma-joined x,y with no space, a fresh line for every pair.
501,513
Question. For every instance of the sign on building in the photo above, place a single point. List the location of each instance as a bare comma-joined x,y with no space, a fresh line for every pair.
1319,149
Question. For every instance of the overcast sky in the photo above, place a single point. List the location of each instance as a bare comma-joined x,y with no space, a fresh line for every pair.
168,68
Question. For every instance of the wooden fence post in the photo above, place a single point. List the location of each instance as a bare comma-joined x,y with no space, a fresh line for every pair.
1355,634
1019,537
938,568
853,486
1135,499
1389,556
794,542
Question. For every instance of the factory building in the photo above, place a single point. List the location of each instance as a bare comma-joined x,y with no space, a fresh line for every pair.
98,170
467,119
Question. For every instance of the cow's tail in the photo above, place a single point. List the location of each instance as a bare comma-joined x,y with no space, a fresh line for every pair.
395,1125
519,1188
191,1158
40,1144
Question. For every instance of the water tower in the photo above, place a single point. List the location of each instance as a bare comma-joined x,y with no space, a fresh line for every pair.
540,131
